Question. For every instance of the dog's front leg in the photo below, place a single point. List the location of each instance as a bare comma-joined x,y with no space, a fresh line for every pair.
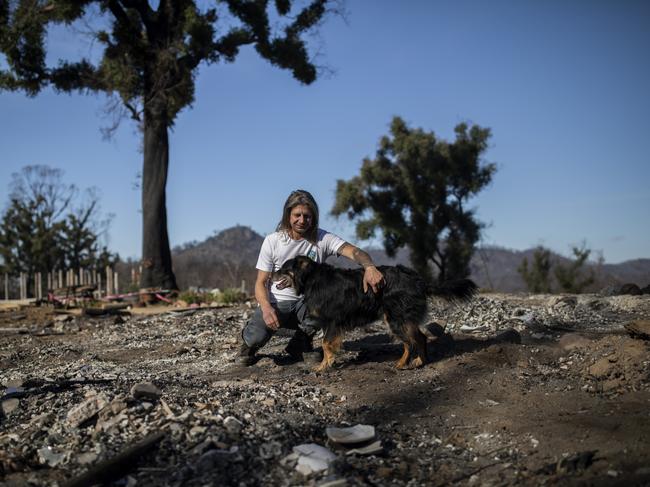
330,347
404,359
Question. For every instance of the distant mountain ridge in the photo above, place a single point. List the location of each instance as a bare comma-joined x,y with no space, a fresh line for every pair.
221,261
227,258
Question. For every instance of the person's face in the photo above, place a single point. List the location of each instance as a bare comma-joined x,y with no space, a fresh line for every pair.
300,220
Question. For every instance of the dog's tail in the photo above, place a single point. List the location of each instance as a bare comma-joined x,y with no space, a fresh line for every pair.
457,290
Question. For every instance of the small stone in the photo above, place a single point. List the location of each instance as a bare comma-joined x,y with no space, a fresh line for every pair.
488,403
233,425
197,430
87,458
269,450
212,459
9,406
15,383
601,368
611,385
49,456
145,390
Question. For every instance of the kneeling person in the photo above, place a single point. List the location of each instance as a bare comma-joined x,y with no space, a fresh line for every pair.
297,234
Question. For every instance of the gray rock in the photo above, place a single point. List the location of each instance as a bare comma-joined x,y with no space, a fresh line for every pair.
50,456
15,383
233,425
145,391
271,449
9,406
86,458
213,459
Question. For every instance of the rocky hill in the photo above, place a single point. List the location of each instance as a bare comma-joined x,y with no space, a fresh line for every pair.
229,257
221,261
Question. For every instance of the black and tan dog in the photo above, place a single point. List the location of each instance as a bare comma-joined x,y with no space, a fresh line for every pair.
335,299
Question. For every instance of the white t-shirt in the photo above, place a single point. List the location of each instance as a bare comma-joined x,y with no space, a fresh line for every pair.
278,248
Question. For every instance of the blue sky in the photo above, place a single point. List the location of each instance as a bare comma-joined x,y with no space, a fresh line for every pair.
562,84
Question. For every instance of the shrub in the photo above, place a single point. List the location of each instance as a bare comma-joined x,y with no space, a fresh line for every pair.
227,296
231,296
192,297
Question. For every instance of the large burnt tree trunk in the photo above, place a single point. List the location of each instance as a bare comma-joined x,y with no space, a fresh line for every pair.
152,51
156,256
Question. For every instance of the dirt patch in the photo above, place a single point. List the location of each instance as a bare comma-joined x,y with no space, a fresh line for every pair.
523,390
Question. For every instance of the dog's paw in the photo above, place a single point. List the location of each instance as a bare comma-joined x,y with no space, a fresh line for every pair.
401,365
324,366
417,363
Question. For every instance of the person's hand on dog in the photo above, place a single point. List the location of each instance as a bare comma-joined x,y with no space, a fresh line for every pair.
372,279
270,317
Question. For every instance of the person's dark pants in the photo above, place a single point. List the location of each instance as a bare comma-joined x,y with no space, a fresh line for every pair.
291,314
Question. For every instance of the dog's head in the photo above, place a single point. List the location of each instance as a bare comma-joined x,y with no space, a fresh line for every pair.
293,273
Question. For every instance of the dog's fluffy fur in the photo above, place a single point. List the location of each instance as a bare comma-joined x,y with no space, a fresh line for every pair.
335,299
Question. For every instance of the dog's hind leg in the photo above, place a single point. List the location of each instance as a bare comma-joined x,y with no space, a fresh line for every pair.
413,340
418,341
330,347
400,331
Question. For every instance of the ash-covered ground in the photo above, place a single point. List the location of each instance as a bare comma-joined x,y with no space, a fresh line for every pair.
521,390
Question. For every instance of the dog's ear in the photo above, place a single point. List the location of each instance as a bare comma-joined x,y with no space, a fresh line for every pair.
303,262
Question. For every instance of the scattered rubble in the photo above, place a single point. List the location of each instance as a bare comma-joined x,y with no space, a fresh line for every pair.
521,390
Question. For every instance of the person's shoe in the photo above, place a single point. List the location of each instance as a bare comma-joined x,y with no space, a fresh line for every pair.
299,344
246,355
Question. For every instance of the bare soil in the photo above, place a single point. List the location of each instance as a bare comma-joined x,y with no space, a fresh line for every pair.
521,390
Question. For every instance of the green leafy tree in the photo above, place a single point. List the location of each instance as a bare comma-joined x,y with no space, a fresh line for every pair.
151,53
538,276
32,222
82,232
27,244
416,191
572,277
42,230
